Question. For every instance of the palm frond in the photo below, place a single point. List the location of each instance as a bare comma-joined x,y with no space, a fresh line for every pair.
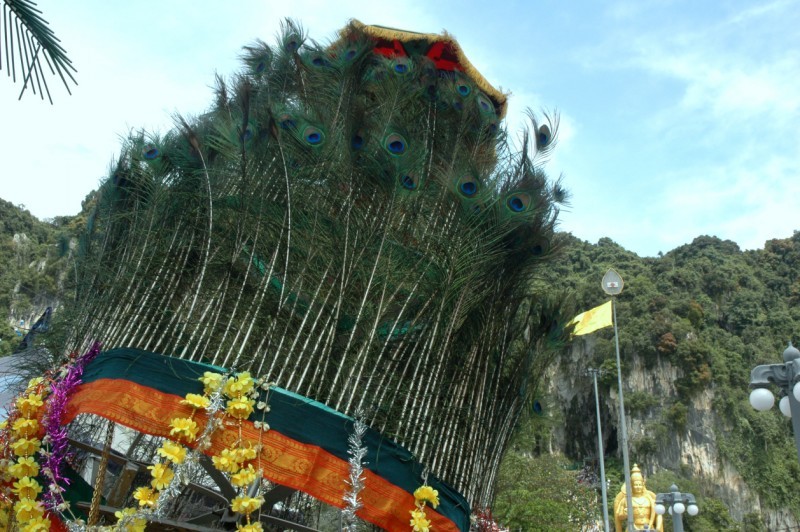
26,38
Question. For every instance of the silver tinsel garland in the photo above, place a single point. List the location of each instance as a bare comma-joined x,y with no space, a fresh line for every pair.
357,453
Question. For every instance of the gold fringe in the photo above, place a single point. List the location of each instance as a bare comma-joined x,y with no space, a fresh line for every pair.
94,509
381,32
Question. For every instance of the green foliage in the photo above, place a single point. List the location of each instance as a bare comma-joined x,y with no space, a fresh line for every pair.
677,415
643,447
638,403
34,270
753,522
541,494
713,312
714,515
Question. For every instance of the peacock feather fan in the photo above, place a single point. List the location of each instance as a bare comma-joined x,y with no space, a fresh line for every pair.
351,221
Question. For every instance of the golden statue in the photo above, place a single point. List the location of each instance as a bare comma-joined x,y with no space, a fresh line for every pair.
644,505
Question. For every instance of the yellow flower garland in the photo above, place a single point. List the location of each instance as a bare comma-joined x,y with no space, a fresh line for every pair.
173,452
422,496
24,444
236,460
241,392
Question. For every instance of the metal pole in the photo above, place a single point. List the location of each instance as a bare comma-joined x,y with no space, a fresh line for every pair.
794,406
623,425
594,373
677,519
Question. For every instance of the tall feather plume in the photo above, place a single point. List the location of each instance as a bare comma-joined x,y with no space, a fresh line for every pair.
349,221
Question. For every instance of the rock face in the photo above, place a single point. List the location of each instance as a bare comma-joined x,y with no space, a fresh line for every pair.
689,449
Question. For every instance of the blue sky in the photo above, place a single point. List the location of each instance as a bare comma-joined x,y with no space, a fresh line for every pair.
679,118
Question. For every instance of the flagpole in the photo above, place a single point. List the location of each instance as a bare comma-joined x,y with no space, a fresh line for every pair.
623,424
612,285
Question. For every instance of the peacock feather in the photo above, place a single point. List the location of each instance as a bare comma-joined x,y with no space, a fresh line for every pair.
351,221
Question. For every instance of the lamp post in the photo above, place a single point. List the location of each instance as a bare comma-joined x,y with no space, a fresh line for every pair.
785,376
593,372
676,503
612,285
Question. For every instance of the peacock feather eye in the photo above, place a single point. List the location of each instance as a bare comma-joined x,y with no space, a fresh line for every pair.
543,136
401,65
357,142
463,90
468,186
409,181
320,60
151,152
313,135
395,144
261,66
292,43
518,201
485,105
350,54
431,91
286,121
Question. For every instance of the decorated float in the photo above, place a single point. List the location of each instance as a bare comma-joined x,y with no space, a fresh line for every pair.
317,290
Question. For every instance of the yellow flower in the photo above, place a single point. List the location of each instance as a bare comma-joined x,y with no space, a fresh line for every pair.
25,467
30,405
133,524
146,497
418,521
5,476
28,509
25,427
244,477
162,475
174,452
196,401
38,524
226,461
243,454
427,494
211,381
27,488
25,446
240,385
251,527
33,383
240,407
125,512
183,427
245,505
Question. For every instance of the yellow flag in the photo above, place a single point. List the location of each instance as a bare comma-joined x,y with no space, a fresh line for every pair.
591,320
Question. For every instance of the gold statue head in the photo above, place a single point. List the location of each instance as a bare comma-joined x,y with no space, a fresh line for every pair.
637,481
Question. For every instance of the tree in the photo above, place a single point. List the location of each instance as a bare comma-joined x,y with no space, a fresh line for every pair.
541,494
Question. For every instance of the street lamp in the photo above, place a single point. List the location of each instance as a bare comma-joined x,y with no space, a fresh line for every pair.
676,503
785,376
612,285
